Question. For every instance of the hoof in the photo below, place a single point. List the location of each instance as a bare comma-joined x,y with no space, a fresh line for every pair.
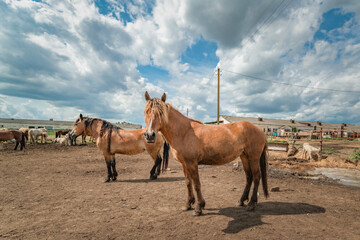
186,208
251,207
107,180
197,213
114,179
153,177
240,204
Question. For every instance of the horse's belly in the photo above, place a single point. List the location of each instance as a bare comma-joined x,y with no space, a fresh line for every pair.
217,159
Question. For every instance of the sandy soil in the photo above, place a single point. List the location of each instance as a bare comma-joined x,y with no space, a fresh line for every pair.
55,192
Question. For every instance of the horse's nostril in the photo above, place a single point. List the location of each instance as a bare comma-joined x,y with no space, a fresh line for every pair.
153,134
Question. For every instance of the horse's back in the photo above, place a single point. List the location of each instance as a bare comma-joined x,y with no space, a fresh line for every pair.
220,144
6,136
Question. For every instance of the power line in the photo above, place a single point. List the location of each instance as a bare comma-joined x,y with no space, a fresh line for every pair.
289,84
267,22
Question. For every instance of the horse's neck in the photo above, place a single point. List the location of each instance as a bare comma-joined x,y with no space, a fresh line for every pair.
94,129
175,129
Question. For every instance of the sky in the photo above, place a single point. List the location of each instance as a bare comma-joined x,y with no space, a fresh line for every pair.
281,59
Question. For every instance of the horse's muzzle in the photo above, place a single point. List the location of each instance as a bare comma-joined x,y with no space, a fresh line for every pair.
150,138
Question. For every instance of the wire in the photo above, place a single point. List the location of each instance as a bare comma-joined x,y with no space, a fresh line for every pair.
289,84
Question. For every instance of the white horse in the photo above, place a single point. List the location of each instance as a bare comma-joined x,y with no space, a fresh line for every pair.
311,151
34,134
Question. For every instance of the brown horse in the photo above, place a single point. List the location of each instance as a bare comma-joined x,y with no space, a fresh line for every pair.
193,143
61,132
13,134
111,139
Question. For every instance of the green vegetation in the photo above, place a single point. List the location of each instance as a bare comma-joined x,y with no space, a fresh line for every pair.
276,141
355,155
328,150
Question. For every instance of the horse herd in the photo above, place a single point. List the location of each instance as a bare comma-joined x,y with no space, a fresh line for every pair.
191,143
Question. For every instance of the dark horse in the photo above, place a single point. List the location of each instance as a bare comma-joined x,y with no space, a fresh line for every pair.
194,143
111,139
59,133
13,134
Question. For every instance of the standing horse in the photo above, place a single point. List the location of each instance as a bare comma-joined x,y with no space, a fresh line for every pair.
25,131
61,132
13,134
193,143
111,139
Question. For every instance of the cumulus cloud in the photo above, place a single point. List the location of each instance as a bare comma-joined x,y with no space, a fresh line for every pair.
73,56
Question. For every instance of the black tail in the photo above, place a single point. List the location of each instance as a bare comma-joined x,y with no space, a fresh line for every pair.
263,169
165,156
23,141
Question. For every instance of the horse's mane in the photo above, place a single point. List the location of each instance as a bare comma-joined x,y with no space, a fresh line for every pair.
160,108
104,126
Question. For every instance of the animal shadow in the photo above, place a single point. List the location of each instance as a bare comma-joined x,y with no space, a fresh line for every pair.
159,179
244,219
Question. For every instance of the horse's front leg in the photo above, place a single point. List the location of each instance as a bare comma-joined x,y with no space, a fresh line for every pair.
191,199
108,161
113,165
194,175
16,145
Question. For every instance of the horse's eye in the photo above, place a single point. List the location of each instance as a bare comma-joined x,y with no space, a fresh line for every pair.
76,124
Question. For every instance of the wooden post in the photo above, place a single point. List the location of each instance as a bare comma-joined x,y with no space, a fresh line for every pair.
320,139
187,112
218,98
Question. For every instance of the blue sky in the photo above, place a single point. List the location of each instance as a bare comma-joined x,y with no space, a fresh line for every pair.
62,58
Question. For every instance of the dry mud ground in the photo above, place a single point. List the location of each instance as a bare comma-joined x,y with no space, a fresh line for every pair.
54,192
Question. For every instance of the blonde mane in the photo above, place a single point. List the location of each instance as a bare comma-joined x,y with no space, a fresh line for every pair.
160,109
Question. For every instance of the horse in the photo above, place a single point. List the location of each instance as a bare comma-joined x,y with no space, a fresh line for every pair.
61,132
111,139
34,134
194,143
13,134
26,132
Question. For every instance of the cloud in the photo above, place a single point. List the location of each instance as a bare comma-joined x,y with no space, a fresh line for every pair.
85,56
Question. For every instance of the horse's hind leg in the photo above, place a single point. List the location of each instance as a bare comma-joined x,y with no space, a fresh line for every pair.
155,170
249,179
256,178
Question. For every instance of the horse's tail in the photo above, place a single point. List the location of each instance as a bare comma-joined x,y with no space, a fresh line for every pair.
23,141
109,140
263,170
165,156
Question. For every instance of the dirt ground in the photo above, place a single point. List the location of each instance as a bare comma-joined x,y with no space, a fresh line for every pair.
57,192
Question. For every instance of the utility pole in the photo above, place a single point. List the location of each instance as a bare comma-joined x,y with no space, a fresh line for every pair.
218,98
187,112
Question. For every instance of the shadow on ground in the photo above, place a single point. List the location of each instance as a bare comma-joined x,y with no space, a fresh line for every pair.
243,219
159,179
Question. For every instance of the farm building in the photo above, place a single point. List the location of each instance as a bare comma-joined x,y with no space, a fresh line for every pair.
12,123
303,129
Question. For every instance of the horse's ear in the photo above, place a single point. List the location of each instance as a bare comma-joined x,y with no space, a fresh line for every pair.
163,97
81,116
147,96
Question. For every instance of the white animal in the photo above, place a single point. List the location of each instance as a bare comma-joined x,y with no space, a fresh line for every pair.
63,140
311,151
34,134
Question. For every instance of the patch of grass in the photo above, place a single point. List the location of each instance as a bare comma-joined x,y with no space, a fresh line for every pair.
355,155
276,141
328,150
